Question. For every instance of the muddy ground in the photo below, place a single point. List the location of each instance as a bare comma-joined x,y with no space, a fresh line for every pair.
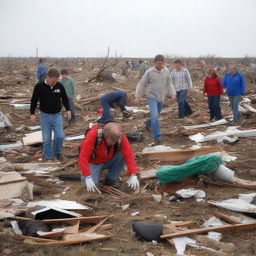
17,78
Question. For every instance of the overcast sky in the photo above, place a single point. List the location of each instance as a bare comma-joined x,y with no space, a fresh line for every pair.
132,28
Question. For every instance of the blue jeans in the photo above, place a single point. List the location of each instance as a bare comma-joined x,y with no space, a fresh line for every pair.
115,166
155,108
51,123
72,110
214,106
184,108
234,103
106,117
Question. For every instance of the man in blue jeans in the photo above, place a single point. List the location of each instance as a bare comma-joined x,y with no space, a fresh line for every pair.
182,83
115,98
51,95
157,84
106,147
234,83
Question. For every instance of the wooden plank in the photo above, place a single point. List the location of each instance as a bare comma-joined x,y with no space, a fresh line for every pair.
43,183
78,238
177,226
51,234
91,219
246,226
72,162
32,138
114,191
72,229
169,228
105,227
30,174
183,224
37,239
109,192
33,166
94,228
21,179
20,218
180,156
226,217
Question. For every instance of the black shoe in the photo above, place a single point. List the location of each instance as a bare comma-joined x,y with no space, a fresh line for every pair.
109,182
60,157
157,141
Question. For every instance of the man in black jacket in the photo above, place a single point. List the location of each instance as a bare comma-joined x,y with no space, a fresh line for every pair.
51,95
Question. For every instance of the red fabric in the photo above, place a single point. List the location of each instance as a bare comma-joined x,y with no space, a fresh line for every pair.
212,86
102,156
100,111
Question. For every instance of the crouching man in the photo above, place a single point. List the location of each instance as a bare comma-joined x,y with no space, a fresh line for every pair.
106,147
116,98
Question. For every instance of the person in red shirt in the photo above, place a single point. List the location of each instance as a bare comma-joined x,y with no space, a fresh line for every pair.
106,147
213,89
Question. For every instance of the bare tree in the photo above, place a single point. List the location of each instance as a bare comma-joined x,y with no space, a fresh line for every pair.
104,67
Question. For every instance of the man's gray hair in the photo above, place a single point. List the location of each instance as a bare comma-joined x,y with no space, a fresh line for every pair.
113,131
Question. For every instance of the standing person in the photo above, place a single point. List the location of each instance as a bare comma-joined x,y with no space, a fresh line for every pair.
41,71
70,88
51,95
157,84
143,67
234,83
111,100
133,65
103,148
182,83
124,68
213,89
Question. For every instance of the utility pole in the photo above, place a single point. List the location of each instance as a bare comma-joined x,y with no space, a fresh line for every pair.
36,52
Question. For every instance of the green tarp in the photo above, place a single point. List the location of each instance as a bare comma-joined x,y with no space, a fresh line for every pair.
199,164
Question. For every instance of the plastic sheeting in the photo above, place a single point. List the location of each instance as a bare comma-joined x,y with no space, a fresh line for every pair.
219,122
225,174
241,204
220,136
191,192
180,244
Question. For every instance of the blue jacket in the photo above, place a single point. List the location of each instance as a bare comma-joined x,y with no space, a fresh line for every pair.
41,70
113,98
234,85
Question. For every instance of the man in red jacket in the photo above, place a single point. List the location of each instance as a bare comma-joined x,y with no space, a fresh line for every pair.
106,147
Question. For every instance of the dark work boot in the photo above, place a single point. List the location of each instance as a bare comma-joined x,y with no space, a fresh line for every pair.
157,141
59,157
109,182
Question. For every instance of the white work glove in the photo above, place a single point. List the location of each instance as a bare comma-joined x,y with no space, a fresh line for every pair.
90,185
133,182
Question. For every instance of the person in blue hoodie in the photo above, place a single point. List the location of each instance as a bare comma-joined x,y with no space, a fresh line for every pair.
41,71
234,83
